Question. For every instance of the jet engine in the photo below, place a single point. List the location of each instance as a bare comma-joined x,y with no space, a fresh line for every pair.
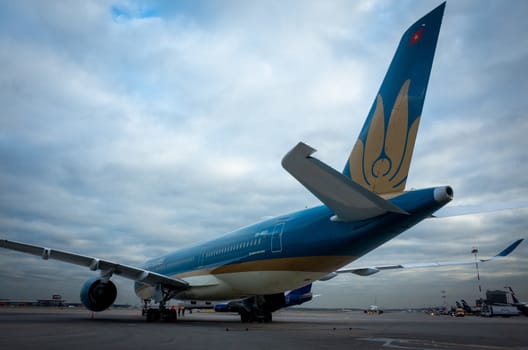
97,294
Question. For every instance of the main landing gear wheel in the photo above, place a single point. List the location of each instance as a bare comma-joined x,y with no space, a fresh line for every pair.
249,317
160,314
245,316
168,315
153,315
267,317
161,296
164,315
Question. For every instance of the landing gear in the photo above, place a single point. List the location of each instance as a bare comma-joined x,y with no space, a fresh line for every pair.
167,315
146,307
267,317
245,316
252,316
153,315
255,310
163,314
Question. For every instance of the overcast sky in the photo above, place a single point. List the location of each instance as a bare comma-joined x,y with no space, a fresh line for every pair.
129,129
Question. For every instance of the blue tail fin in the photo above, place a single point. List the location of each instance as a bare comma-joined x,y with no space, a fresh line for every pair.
382,154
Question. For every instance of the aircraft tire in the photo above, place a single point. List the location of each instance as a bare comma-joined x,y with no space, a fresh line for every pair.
244,316
267,317
153,315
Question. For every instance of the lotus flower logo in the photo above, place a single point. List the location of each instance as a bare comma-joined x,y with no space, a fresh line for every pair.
382,163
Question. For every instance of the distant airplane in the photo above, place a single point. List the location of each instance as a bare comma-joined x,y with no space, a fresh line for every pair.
373,310
466,307
522,306
272,264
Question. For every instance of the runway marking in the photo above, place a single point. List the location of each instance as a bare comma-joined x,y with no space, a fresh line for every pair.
395,343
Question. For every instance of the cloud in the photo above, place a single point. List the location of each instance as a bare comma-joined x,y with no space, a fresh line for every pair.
139,128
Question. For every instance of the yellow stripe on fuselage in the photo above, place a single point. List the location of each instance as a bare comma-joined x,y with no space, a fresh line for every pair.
323,264
255,277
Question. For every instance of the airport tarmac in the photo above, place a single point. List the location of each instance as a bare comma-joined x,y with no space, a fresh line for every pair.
46,328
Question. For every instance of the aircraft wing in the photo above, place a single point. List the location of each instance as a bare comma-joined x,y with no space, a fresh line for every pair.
370,270
348,200
107,267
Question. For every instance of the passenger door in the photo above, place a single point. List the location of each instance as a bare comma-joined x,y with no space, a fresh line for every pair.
276,238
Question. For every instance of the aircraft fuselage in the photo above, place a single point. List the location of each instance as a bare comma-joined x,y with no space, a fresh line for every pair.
288,251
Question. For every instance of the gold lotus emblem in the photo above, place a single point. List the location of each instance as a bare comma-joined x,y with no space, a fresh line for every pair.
382,163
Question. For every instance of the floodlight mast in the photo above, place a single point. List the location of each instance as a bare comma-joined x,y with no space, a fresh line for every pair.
474,251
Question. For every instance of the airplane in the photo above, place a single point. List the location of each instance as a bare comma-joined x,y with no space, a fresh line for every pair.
373,310
272,264
522,306
468,309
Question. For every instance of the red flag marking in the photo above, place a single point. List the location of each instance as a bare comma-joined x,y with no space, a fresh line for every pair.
416,36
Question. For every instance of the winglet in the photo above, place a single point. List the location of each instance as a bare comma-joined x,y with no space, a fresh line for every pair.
509,248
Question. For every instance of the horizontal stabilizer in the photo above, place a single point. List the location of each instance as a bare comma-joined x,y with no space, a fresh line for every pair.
349,200
370,270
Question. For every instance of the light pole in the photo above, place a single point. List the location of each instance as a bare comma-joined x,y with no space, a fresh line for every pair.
475,252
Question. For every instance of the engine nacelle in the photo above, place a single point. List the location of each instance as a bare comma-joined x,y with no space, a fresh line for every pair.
298,299
97,295
299,296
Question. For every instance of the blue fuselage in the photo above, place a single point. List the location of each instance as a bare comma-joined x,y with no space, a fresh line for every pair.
302,247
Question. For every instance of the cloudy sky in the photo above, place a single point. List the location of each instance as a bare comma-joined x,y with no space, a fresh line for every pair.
129,129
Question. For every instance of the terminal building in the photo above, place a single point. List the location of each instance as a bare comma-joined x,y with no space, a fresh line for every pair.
496,297
56,300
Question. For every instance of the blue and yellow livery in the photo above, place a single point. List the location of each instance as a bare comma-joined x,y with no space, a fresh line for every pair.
263,267
382,154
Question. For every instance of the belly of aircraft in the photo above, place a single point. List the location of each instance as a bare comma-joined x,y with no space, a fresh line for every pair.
255,278
239,284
